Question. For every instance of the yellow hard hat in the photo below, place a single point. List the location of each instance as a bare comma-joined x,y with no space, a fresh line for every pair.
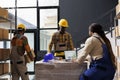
63,23
21,26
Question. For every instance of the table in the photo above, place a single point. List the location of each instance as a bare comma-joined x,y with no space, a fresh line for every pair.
58,70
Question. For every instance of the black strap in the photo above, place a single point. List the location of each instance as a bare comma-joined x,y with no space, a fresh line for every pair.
18,62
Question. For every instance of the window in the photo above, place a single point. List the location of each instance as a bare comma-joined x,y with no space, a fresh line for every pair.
26,3
48,2
45,36
48,24
7,3
27,17
48,18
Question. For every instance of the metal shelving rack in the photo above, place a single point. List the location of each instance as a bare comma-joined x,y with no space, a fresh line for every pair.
117,39
4,20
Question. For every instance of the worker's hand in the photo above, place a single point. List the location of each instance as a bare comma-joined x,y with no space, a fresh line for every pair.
31,56
86,60
74,60
48,51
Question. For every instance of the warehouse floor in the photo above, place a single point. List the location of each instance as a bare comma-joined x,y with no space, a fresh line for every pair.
31,77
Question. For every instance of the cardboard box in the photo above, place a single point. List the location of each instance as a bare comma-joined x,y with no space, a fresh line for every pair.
60,70
28,58
0,33
3,78
4,68
4,54
1,70
118,11
117,31
4,14
4,33
118,51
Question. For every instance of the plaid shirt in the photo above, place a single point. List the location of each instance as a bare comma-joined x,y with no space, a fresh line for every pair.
57,38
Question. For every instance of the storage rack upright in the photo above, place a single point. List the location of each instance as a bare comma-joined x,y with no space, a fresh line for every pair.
117,39
5,60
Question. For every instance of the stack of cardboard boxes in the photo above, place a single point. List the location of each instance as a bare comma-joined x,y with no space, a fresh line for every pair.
59,70
4,54
3,78
4,33
3,15
4,68
117,39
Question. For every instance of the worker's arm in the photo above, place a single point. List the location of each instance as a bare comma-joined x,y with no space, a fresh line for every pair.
51,44
27,48
89,46
71,46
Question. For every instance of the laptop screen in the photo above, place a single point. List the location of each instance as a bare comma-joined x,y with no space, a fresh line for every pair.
70,54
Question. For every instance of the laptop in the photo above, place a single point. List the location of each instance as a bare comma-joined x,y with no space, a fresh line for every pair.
70,54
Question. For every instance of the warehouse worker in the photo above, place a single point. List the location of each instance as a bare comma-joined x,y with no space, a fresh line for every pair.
103,62
19,45
61,40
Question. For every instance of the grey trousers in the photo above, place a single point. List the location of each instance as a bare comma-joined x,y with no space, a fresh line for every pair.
19,70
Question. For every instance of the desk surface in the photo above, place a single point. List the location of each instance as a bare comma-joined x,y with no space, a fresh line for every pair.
59,70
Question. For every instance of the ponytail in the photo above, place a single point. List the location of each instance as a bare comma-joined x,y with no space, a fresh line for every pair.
97,28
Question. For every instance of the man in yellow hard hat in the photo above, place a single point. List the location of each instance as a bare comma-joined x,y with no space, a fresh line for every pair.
61,40
19,44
